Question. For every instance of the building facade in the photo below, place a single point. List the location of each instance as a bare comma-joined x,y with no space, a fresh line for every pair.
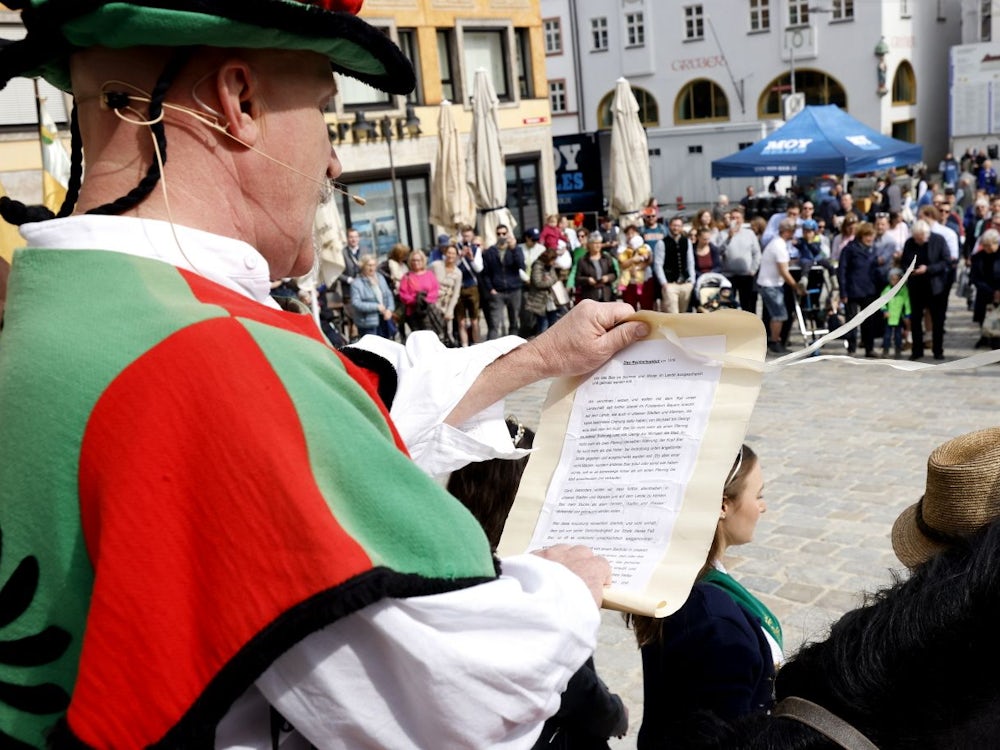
975,81
387,143
712,75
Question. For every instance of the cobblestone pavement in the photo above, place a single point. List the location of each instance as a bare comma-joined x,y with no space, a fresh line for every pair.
844,449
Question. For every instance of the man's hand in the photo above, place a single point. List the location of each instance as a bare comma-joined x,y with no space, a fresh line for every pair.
592,569
586,338
580,342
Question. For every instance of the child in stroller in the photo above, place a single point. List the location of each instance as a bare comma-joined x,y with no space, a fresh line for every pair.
713,291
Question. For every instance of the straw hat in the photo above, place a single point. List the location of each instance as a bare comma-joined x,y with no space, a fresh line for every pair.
962,495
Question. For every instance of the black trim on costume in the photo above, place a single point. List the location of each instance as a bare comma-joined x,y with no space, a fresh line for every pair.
388,380
12,743
196,729
17,593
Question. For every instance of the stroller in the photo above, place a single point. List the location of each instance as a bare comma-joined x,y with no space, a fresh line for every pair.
426,317
819,311
713,291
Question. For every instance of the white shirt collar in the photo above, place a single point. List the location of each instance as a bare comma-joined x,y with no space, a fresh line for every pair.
232,263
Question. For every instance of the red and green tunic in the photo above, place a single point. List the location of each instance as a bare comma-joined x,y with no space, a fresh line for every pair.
190,483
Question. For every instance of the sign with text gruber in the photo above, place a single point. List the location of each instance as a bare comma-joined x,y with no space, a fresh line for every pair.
579,185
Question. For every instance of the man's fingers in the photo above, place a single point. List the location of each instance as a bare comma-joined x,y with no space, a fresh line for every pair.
592,569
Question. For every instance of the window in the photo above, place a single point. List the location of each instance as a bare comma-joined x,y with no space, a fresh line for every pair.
446,62
986,21
699,101
356,95
553,36
905,131
843,10
818,87
635,30
557,96
760,15
599,33
487,48
694,22
522,44
17,103
524,190
649,110
798,12
17,100
408,44
376,220
904,85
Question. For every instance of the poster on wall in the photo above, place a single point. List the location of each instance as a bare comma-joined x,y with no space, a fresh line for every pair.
975,93
386,234
579,185
366,230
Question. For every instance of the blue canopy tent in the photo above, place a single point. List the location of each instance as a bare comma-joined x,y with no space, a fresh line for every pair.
819,140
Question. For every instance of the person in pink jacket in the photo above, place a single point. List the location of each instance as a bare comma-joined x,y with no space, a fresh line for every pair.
418,281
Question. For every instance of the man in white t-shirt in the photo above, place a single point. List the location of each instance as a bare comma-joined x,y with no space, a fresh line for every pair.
771,278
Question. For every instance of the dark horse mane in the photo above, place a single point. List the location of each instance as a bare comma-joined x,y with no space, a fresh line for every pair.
918,666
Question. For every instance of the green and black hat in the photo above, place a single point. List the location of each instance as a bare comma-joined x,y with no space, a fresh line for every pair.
330,27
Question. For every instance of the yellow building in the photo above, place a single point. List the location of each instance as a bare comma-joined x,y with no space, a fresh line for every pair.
447,40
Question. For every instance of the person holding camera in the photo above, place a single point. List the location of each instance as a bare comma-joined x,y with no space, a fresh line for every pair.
470,263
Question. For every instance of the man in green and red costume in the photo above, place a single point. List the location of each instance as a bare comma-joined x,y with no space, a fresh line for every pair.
211,532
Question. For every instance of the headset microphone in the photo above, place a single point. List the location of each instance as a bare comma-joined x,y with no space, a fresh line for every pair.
118,101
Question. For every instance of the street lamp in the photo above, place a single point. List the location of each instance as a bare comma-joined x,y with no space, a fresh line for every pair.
385,127
362,129
408,124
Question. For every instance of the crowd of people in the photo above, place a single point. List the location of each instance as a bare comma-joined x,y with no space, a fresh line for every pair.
821,249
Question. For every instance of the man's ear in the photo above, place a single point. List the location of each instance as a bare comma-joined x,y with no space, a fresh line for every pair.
238,91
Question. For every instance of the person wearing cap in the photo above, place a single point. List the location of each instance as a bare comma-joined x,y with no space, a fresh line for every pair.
772,277
961,497
191,555
437,252
611,234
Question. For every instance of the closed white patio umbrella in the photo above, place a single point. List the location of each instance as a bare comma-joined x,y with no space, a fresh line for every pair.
487,173
630,184
451,202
